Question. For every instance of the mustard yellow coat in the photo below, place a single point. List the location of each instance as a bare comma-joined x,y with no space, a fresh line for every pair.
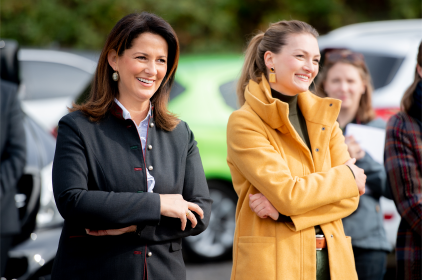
265,154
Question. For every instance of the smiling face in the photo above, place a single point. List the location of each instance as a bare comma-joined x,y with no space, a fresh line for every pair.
141,68
296,65
344,82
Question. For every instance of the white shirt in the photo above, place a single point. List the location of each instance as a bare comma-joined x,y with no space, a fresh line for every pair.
142,131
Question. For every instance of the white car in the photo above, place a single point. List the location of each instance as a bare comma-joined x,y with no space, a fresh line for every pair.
390,49
51,80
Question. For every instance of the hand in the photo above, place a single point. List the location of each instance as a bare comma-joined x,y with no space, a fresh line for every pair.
360,176
354,148
262,206
174,206
102,232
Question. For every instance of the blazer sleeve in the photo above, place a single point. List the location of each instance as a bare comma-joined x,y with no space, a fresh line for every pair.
404,169
13,153
258,161
195,190
376,177
93,209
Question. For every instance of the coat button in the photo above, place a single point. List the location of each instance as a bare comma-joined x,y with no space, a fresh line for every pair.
332,236
331,104
149,147
323,128
150,168
149,254
151,125
317,149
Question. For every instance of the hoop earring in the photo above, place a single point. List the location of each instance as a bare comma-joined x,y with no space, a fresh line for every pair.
272,75
115,76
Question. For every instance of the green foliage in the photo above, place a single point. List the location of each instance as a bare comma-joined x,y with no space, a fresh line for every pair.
202,25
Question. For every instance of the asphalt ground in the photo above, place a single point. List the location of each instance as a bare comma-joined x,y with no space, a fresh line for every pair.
209,271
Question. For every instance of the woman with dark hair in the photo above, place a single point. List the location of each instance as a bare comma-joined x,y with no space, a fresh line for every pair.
289,164
344,76
403,163
127,175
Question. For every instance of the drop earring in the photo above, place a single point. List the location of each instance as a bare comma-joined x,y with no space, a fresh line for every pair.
115,76
272,75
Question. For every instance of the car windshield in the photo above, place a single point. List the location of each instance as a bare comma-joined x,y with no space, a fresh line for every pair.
383,68
50,80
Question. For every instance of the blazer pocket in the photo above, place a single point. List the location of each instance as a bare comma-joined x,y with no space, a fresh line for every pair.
256,257
176,245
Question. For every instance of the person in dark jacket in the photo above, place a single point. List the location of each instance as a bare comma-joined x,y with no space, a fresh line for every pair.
345,76
127,175
403,163
13,154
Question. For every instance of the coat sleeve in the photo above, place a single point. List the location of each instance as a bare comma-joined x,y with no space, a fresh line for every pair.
251,153
195,190
93,209
13,153
404,170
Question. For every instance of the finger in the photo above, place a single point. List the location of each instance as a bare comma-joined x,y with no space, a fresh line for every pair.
262,213
256,203
192,219
183,219
196,208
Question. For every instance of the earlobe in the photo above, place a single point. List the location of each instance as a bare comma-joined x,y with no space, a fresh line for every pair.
419,70
112,59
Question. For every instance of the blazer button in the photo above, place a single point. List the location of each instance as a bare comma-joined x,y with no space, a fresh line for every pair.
150,168
149,254
151,125
317,149
149,147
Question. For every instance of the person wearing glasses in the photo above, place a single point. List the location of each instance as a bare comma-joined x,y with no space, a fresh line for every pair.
345,76
289,163
403,163
127,175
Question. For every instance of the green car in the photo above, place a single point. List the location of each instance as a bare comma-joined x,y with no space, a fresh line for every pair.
204,96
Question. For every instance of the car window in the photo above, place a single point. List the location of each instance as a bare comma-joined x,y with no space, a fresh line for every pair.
228,91
382,68
176,90
49,80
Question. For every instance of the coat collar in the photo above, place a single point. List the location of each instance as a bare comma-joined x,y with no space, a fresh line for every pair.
276,113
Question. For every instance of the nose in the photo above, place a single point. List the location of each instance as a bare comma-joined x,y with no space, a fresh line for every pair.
343,86
309,66
151,68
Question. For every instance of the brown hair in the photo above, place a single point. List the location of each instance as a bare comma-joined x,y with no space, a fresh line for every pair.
104,89
272,40
407,99
365,111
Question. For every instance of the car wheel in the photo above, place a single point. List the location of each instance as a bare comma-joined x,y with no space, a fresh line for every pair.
216,242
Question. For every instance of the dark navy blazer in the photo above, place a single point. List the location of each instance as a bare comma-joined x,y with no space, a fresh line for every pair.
13,154
99,182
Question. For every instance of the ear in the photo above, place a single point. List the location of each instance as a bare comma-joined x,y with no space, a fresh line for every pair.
419,70
268,58
112,59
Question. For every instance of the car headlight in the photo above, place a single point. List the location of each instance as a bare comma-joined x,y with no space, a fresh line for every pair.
48,214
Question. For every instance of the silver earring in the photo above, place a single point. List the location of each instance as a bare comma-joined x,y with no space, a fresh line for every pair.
115,76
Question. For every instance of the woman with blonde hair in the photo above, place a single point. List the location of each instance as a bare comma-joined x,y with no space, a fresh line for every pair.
403,163
290,167
344,76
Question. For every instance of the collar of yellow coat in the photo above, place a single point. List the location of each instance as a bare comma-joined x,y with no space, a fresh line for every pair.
276,113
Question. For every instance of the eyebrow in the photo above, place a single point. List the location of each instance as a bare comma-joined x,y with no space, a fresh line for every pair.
147,54
319,55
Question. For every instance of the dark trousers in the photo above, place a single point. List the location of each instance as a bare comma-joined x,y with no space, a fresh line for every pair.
5,244
370,264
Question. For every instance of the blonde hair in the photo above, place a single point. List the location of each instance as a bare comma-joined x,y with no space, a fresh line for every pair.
272,40
407,99
365,111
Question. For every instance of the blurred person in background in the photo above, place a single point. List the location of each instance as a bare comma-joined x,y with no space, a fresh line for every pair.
127,175
289,164
344,76
403,163
13,153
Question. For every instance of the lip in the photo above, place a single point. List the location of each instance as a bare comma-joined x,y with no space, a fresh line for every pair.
145,84
303,80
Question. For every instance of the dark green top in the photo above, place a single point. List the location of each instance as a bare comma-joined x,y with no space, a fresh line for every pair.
299,123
